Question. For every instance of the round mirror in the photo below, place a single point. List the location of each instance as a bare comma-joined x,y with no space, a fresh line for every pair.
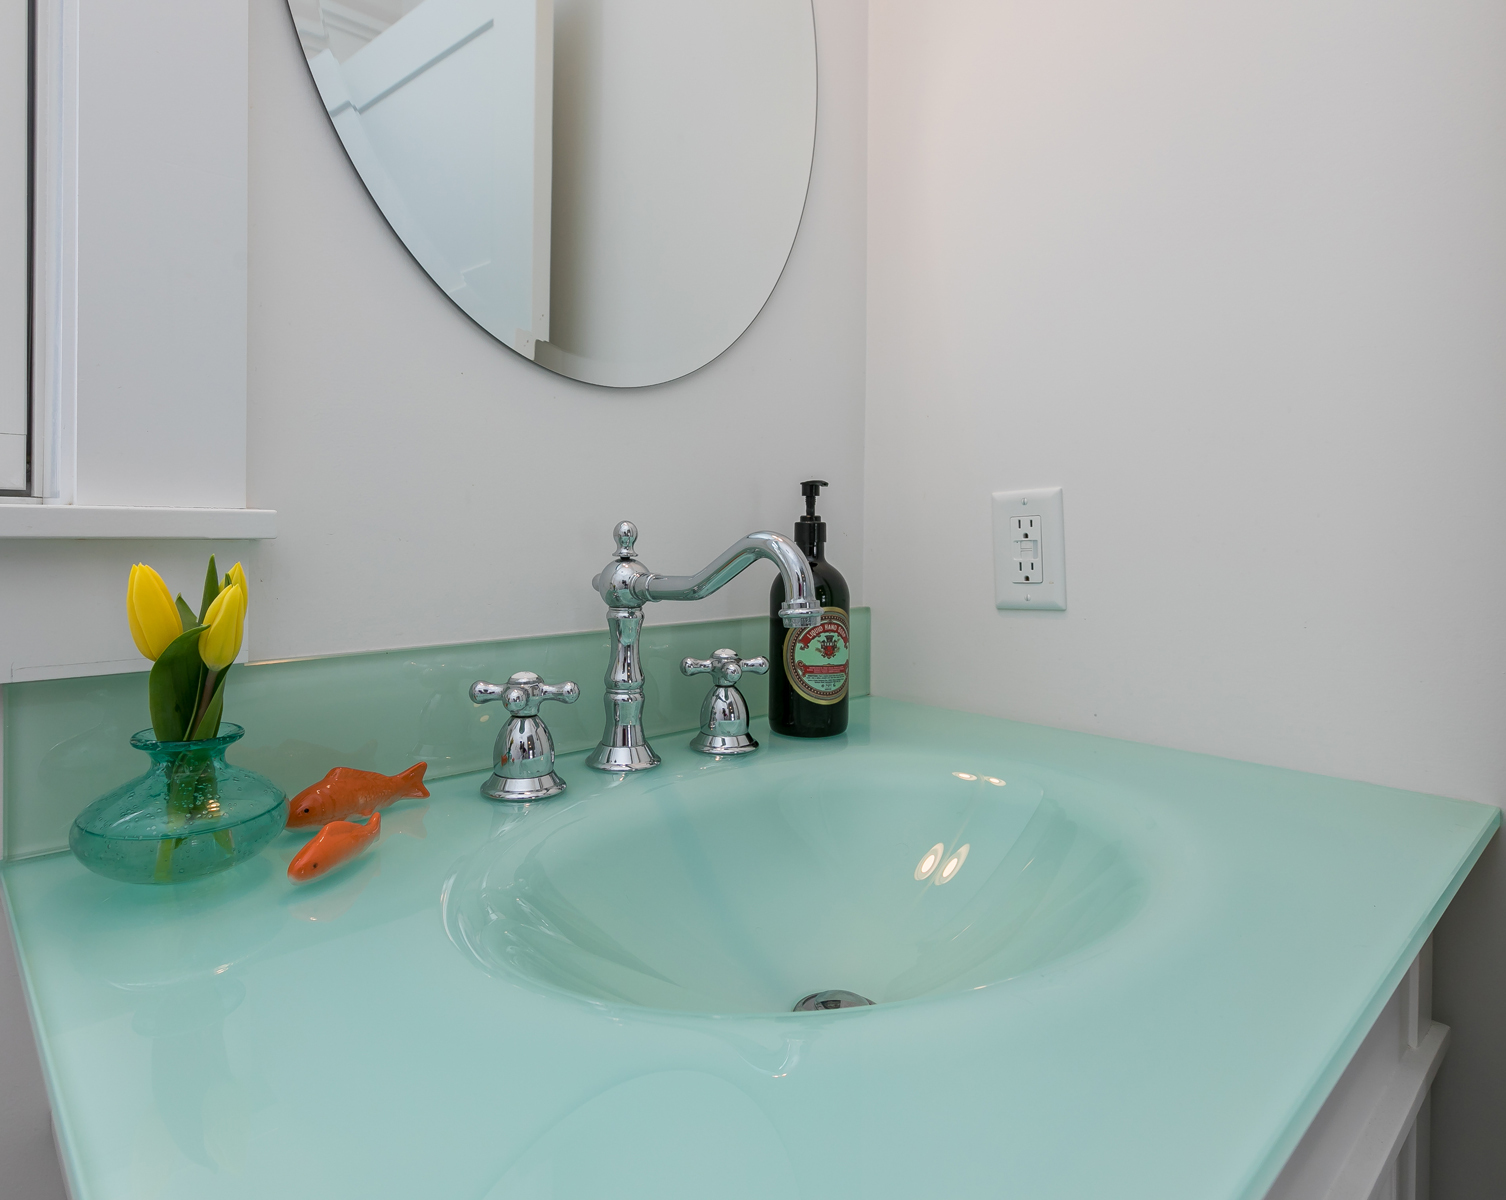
611,189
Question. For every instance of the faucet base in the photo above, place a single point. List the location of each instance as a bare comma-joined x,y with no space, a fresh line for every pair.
737,743
637,757
523,791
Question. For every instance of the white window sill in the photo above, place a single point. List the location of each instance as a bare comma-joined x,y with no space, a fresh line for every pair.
101,521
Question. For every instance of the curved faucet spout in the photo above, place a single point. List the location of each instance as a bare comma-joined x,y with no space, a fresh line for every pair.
627,585
800,608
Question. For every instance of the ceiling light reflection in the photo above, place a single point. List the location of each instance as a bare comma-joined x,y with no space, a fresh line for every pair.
953,865
930,862
964,775
992,780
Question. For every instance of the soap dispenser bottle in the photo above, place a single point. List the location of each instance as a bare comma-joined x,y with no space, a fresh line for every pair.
808,675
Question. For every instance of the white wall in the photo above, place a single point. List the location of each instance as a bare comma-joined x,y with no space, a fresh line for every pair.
1234,276
160,335
431,485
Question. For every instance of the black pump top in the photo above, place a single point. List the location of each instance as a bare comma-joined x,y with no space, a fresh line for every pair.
810,530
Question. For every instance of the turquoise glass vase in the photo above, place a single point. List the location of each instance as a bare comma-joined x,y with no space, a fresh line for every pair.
192,814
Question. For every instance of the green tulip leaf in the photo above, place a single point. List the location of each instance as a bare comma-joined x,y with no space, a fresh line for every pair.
185,614
211,590
174,686
209,723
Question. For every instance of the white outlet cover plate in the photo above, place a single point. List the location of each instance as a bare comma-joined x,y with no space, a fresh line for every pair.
1050,593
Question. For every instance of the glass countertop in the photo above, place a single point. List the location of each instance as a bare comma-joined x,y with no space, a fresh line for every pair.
1099,968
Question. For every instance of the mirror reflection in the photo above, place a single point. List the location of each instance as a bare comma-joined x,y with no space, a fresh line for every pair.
610,189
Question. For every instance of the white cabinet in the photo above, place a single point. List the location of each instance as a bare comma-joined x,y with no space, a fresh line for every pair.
1369,1141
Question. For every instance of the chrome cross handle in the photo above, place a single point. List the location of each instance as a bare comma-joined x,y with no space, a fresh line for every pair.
524,752
724,715
523,692
725,667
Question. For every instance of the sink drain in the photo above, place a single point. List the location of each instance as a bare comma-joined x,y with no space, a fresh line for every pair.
835,998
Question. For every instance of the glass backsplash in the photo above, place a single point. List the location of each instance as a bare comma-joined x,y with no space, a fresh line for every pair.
66,740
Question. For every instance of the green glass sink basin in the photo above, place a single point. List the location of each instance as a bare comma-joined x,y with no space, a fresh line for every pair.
725,890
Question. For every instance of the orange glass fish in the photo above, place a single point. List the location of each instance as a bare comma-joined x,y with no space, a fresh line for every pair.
338,842
347,792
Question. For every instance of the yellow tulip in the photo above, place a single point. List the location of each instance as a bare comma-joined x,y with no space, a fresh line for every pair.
237,576
226,618
150,610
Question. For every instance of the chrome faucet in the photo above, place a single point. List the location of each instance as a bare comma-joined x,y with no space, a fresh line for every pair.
626,585
724,713
524,753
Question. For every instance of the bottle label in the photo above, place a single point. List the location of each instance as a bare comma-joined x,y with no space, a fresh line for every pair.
815,659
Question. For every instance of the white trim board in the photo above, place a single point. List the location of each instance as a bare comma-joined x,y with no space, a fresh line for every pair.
109,521
14,241
140,244
1369,1141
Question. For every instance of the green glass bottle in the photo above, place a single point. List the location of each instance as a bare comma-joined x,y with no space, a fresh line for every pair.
808,667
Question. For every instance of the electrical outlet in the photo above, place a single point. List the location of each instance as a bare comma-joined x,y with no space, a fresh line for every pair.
1029,550
1027,547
